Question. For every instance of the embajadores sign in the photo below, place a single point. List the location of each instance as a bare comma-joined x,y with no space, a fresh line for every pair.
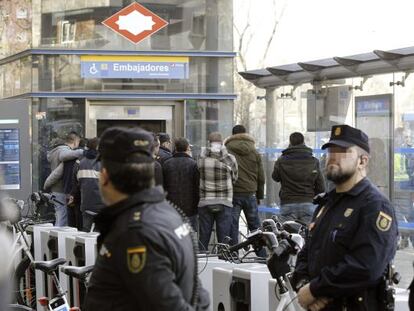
134,67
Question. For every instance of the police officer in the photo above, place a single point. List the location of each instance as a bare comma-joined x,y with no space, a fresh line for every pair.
146,256
352,237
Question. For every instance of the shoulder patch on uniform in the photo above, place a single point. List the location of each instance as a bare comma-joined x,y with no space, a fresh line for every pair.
348,212
383,222
136,258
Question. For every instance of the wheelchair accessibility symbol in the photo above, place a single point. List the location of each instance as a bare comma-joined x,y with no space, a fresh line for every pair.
93,70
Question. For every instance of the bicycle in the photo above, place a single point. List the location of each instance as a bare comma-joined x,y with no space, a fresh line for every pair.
59,301
81,274
283,245
24,274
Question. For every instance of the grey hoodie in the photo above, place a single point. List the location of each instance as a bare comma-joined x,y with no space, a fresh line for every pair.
57,155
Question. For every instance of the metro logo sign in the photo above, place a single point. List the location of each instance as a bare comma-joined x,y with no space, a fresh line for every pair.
135,22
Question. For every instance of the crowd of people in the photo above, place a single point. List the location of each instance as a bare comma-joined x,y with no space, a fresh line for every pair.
225,179
146,251
212,190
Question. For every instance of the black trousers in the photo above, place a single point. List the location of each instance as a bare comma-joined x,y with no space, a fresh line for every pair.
74,216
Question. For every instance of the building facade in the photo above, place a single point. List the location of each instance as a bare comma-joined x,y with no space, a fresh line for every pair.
62,70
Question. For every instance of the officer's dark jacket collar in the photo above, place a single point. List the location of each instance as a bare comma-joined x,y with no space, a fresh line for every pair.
165,149
181,155
110,213
357,189
302,148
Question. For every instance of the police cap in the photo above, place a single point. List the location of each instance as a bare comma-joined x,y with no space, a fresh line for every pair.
347,136
117,144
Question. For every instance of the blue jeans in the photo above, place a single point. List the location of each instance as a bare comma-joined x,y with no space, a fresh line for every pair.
298,211
206,221
194,222
61,211
249,206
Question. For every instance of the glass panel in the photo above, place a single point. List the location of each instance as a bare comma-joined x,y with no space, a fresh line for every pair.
15,77
205,117
373,108
207,75
310,110
53,118
404,173
193,25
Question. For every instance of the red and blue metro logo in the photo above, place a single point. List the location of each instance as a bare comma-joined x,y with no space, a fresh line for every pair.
135,22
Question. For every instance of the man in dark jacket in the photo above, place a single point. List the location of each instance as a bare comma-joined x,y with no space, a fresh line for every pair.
182,180
146,257
157,166
300,177
87,185
249,187
165,147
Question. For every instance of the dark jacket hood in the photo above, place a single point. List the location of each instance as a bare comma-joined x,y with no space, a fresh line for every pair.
297,149
90,154
241,144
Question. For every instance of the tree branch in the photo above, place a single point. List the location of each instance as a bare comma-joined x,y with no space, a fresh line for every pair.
269,42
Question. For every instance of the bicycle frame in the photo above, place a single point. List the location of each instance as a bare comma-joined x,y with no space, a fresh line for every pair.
21,242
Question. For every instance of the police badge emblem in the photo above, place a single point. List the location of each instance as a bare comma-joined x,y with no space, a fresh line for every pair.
337,131
136,257
383,222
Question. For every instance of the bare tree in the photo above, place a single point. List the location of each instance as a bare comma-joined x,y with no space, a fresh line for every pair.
245,90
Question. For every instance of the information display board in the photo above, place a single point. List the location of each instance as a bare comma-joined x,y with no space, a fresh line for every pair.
10,159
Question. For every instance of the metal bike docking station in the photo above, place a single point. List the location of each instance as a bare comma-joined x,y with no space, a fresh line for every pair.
86,249
37,249
80,251
207,265
57,249
48,249
241,287
251,288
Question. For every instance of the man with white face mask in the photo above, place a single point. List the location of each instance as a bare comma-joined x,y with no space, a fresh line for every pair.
218,173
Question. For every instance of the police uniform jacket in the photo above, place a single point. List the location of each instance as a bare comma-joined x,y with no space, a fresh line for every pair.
351,240
146,257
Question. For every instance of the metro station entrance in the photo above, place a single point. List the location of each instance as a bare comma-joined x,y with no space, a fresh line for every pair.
153,116
155,126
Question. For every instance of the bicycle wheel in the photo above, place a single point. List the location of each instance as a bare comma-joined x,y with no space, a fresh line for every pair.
25,285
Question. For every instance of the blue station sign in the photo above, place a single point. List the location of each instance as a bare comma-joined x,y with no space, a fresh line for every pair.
134,67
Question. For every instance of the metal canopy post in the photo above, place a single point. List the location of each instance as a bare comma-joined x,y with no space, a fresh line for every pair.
270,98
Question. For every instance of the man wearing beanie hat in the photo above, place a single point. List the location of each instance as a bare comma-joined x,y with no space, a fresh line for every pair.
352,236
146,255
